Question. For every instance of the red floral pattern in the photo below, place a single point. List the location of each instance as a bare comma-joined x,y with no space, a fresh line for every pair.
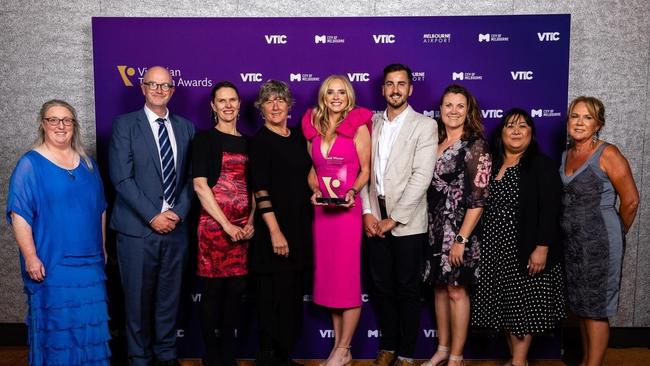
218,255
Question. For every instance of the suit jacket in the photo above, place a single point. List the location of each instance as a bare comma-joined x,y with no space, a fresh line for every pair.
134,166
408,173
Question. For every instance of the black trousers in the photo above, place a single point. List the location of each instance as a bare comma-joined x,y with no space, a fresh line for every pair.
395,265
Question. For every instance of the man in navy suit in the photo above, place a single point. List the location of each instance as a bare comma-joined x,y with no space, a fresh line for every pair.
149,167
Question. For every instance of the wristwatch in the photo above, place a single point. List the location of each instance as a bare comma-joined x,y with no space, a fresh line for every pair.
461,239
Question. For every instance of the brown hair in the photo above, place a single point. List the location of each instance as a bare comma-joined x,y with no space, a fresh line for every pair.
473,126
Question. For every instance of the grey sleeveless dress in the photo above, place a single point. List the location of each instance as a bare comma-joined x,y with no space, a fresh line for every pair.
593,239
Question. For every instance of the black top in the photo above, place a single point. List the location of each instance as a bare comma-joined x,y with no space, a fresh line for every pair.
539,208
207,151
280,165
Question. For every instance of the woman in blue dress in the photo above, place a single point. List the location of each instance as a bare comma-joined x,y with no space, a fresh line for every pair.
57,210
594,173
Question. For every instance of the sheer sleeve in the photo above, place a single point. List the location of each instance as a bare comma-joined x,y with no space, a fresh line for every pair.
478,166
260,164
22,198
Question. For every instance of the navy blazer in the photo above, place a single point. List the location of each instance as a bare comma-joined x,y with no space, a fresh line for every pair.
134,166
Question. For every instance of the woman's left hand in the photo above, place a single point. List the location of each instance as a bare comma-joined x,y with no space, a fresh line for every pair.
249,230
537,260
349,198
456,254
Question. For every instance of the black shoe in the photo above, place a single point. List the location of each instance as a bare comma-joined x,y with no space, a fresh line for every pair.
265,358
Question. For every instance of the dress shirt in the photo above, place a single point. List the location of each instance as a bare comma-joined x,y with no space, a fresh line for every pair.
152,117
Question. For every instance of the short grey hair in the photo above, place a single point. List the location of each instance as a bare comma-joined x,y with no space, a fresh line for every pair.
274,88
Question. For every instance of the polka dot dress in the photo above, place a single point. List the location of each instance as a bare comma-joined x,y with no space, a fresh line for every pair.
506,296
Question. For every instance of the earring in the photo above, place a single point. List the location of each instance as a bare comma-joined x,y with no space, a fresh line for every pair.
594,139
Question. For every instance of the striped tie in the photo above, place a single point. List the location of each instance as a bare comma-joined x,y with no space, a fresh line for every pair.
167,162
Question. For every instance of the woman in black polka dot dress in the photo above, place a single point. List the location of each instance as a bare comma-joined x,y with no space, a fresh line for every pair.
520,287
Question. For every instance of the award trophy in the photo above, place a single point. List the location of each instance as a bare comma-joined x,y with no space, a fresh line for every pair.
333,176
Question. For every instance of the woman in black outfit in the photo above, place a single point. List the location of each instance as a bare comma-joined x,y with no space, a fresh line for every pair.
219,167
281,248
520,289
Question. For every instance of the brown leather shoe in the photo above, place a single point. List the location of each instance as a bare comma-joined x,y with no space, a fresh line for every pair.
402,362
384,358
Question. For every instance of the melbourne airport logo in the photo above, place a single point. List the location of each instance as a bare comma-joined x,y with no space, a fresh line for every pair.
326,38
275,38
303,77
548,36
436,38
419,75
130,74
383,38
540,112
431,113
492,37
251,77
359,77
466,76
521,75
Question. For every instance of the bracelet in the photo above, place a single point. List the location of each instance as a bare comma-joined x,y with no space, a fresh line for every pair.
353,190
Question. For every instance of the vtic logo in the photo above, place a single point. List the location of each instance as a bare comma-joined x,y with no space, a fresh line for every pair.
383,38
548,36
196,297
492,113
275,38
358,77
430,333
326,333
125,73
180,333
484,37
521,75
250,77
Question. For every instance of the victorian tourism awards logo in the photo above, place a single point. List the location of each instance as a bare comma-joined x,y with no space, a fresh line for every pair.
135,75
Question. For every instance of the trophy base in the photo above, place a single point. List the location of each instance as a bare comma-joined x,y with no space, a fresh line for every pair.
331,201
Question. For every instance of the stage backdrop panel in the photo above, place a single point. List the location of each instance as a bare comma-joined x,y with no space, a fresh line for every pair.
506,61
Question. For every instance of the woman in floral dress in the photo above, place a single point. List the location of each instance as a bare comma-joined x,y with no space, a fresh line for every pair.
456,198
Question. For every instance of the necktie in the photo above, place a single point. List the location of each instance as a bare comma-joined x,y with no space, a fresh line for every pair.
167,162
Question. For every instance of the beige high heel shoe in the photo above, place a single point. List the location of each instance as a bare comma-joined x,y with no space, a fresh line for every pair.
457,358
441,349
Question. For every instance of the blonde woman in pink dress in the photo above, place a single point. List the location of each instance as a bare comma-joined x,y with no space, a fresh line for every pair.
339,144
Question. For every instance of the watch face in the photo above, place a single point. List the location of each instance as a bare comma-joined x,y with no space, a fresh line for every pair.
460,239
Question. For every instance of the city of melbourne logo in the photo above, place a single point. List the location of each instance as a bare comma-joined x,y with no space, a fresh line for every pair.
541,112
431,113
465,76
492,37
436,38
326,38
134,75
303,77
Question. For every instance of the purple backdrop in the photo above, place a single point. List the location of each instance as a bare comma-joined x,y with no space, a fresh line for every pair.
506,61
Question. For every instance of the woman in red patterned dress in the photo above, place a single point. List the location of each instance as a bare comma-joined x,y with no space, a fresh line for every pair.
220,164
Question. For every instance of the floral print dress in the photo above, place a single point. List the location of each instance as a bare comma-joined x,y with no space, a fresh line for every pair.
460,181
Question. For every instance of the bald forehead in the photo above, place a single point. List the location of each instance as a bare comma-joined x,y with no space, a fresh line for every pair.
158,74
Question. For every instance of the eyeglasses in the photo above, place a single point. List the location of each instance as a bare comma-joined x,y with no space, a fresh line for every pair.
53,121
154,85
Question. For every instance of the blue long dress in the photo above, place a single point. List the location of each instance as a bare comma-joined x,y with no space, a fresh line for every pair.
67,319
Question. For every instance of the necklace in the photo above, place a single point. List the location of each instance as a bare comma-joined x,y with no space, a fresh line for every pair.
61,164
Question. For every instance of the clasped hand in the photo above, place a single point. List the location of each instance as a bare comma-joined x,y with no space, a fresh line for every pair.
165,222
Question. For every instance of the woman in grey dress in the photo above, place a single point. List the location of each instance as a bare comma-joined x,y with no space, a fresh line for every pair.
594,173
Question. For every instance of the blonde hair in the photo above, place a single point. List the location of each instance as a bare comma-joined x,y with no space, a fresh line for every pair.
320,114
594,106
76,143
